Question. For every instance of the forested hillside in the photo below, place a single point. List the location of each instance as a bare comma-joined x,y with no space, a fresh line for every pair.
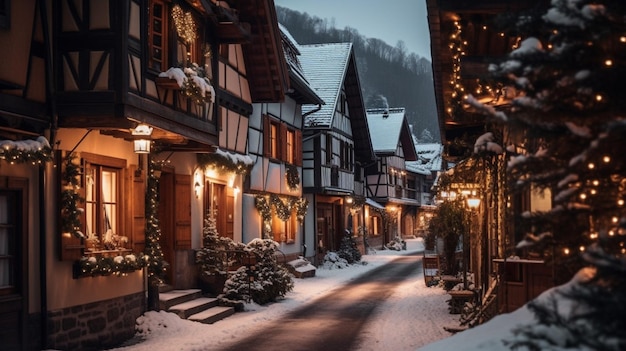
388,74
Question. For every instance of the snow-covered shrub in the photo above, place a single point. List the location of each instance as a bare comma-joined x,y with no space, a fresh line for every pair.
348,249
333,261
396,244
265,281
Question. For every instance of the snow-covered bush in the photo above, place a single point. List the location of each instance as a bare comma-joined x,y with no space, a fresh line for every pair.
396,244
332,260
265,281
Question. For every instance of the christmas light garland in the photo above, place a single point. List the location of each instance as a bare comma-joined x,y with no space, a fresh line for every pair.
70,211
23,151
92,266
225,162
283,210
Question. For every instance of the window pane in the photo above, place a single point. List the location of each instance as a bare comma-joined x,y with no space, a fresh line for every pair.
7,248
274,141
290,146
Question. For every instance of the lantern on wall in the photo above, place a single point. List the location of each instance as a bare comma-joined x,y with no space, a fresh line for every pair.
142,141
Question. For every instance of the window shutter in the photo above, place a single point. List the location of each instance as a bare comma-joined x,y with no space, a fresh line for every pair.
298,148
266,136
71,246
137,208
182,215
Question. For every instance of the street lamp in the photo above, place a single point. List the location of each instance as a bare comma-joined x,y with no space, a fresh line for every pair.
142,134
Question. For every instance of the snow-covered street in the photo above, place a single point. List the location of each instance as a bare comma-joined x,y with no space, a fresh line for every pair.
413,315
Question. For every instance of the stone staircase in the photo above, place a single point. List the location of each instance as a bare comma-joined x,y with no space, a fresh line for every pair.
192,305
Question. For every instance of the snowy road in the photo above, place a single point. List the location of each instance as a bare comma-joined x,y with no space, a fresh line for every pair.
339,319
411,315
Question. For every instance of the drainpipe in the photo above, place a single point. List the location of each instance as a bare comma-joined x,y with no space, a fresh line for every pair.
42,259
43,222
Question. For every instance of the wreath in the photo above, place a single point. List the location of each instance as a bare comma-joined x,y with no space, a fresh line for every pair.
293,177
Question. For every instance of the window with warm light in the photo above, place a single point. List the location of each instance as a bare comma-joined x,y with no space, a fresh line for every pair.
290,145
284,231
103,204
281,142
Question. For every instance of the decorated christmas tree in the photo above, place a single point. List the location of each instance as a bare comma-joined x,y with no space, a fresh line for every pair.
566,127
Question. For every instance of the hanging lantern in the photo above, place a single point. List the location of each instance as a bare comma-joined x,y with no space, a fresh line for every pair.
142,141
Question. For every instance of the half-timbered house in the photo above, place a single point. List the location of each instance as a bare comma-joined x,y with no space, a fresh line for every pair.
24,152
272,202
336,146
146,106
423,173
387,180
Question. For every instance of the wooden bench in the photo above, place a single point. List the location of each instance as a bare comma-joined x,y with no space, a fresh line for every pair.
458,298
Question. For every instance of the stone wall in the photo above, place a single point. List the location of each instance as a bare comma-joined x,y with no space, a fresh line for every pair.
96,325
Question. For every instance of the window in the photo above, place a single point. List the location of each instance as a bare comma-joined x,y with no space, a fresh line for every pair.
280,142
186,41
290,146
103,203
329,149
5,14
157,35
273,135
284,232
9,263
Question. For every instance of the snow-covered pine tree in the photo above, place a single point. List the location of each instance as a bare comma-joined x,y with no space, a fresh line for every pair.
348,248
569,120
213,257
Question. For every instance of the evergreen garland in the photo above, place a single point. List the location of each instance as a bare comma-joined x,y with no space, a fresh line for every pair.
92,266
70,199
283,210
156,264
225,162
34,151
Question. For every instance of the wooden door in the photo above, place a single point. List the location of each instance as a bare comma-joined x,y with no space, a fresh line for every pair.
13,263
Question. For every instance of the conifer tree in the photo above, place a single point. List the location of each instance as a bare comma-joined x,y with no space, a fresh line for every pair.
348,249
567,125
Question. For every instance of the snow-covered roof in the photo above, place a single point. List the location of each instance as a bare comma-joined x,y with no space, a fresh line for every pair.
429,155
325,67
385,126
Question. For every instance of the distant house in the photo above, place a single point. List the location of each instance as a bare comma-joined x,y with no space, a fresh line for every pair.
387,179
336,147
273,200
425,171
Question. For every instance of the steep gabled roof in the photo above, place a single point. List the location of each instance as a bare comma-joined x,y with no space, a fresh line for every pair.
388,128
325,65
328,67
300,88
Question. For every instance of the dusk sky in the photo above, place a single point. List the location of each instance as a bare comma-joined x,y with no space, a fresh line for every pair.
390,21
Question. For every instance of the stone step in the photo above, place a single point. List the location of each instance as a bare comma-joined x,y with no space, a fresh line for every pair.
175,297
212,315
188,308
